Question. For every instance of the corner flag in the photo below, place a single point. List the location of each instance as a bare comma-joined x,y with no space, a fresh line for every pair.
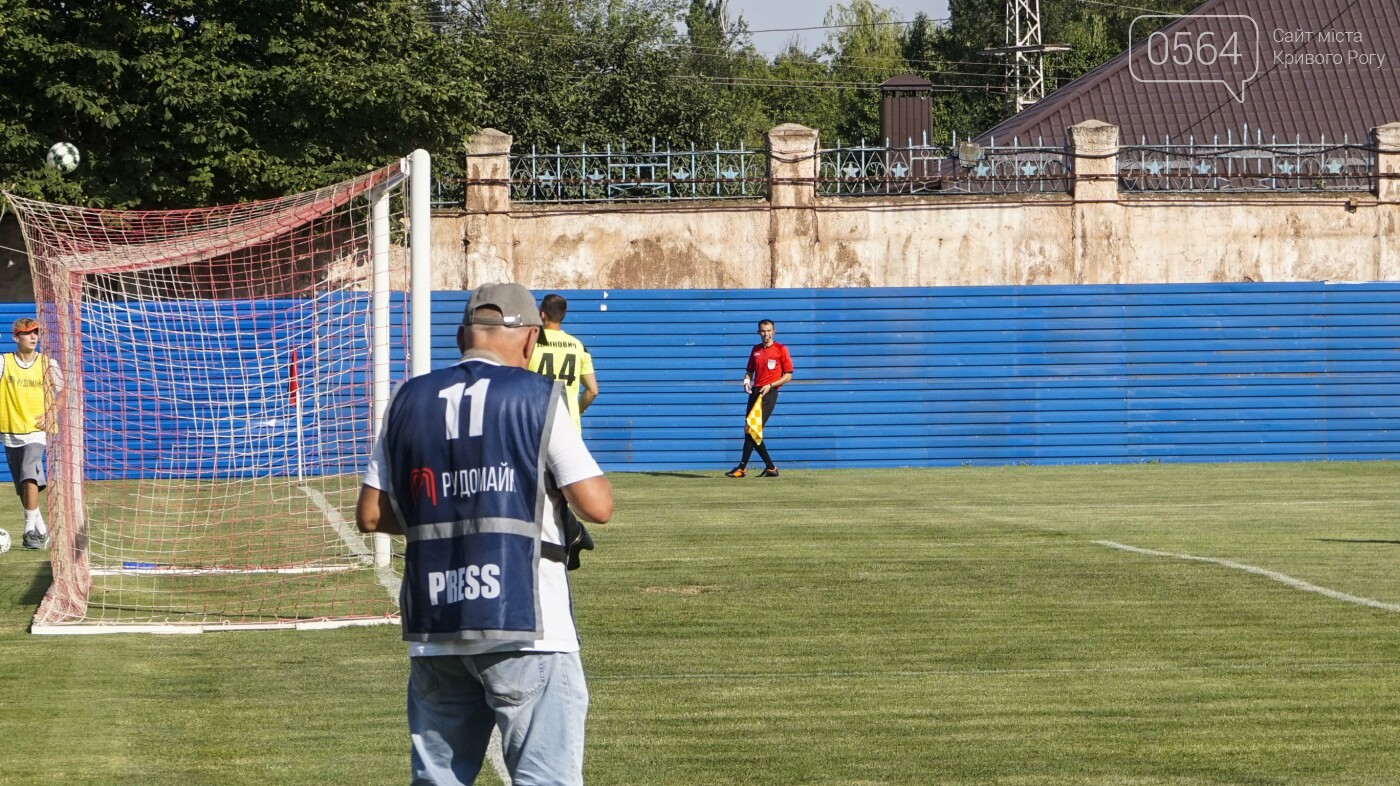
753,424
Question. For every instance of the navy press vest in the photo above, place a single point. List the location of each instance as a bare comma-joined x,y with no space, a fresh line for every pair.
465,452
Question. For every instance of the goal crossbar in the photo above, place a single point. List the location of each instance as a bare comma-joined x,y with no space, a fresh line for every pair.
217,377
242,226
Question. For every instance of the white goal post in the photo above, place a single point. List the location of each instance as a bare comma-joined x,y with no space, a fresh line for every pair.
222,372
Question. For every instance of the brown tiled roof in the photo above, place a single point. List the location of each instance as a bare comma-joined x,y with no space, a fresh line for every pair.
1300,91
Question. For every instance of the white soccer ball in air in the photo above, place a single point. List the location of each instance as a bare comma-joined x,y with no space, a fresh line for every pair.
4,541
63,156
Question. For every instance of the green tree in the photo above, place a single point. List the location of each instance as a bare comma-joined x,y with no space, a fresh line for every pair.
969,88
1096,34
981,101
795,89
595,72
711,39
864,50
188,102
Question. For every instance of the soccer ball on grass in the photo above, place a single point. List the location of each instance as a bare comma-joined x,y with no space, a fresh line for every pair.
4,541
63,156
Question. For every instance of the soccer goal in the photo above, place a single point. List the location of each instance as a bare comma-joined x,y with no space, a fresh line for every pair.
222,372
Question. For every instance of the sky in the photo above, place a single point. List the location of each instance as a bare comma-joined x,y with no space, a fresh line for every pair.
774,14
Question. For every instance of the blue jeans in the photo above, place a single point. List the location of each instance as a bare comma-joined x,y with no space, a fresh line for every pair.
538,699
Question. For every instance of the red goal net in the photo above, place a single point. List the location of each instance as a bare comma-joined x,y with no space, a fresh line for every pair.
216,399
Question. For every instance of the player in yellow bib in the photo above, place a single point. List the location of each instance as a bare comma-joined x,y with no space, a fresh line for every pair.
28,382
562,357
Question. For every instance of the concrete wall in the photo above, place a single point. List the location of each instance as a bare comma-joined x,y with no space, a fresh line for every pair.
799,239
625,247
796,238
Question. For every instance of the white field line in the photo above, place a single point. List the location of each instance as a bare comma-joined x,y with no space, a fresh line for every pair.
982,505
724,552
151,569
352,540
496,757
1028,672
1298,584
390,582
840,502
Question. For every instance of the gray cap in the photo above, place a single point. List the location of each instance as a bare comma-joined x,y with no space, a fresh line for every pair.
516,304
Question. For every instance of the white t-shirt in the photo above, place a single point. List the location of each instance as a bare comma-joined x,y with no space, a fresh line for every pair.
570,462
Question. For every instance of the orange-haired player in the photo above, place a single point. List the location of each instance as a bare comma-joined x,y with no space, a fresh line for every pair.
28,382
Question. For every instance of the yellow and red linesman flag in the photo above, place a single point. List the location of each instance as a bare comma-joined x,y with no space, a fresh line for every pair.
753,424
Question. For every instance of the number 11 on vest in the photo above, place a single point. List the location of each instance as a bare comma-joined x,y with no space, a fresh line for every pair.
454,395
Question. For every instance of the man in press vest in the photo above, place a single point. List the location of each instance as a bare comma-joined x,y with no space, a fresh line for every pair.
474,465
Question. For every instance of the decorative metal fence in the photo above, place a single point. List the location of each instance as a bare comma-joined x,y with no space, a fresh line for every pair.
622,175
449,190
1233,166
628,175
966,168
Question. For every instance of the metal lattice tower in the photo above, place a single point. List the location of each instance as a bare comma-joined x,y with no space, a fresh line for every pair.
1026,74
1028,69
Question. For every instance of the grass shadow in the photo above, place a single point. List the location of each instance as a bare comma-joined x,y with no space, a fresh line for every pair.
1357,540
672,474
25,585
22,588
43,579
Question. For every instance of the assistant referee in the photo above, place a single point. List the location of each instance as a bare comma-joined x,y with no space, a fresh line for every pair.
769,368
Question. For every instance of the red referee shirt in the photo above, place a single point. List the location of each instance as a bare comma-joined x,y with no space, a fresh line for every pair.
766,364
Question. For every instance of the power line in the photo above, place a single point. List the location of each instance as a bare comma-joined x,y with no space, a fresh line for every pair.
840,27
740,81
849,61
1126,7
759,83
442,15
857,63
809,84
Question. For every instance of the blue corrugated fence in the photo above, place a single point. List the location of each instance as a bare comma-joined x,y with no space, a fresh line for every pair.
203,388
968,375
996,375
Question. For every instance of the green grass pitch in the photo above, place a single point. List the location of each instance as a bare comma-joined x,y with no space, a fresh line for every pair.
932,626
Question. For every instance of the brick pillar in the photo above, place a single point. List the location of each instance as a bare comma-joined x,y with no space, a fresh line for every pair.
1386,140
489,235
792,197
1093,150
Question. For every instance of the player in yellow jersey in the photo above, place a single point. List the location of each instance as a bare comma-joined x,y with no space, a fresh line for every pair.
560,356
28,383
